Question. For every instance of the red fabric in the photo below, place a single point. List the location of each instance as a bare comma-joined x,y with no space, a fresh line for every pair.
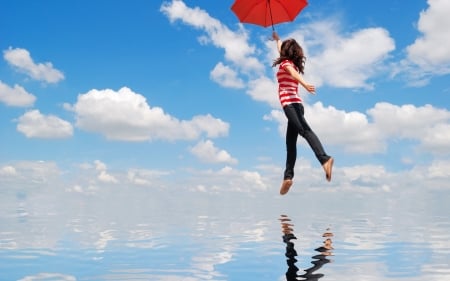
259,11
287,85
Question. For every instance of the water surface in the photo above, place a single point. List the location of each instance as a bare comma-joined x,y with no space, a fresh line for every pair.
122,233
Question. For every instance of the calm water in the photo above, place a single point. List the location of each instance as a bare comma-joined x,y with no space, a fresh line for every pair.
121,233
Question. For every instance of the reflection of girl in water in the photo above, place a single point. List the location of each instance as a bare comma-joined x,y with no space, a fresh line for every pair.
318,260
288,235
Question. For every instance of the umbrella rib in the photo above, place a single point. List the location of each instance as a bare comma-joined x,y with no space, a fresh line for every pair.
287,12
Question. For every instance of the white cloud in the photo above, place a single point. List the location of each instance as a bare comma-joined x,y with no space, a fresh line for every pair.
331,58
8,171
99,165
103,175
16,96
427,124
437,139
22,61
430,50
237,50
369,133
350,130
145,176
367,175
226,76
92,177
30,172
33,124
207,152
406,121
429,54
279,117
358,178
439,169
226,179
106,178
125,115
264,89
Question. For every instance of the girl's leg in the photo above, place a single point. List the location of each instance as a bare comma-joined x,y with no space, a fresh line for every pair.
291,150
291,156
295,115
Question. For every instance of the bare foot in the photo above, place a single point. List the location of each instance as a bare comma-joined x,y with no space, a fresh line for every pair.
287,183
328,167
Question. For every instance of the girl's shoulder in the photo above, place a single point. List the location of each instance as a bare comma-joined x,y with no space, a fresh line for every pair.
286,62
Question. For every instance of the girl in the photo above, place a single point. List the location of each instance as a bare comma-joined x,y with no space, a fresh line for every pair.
289,75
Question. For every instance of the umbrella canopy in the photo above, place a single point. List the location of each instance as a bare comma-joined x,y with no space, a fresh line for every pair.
267,12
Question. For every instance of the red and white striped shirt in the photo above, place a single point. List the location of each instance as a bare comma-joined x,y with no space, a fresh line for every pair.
287,85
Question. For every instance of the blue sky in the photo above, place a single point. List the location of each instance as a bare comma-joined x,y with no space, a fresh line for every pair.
179,94
137,120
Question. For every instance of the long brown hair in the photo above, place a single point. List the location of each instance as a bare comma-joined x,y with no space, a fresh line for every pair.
291,50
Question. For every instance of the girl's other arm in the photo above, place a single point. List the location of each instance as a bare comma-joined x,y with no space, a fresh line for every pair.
297,76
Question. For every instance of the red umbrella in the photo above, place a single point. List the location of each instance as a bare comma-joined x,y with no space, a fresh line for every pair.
267,12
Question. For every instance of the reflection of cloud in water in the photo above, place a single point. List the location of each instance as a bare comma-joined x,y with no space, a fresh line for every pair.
204,265
142,237
204,234
105,237
220,244
49,277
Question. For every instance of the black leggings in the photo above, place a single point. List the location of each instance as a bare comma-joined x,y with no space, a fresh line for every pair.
297,125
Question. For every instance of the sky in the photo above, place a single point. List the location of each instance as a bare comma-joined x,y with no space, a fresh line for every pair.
143,120
180,95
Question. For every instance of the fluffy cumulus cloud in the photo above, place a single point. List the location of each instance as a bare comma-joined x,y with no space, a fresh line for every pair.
331,56
93,177
34,124
30,172
235,44
125,115
407,121
427,124
226,76
226,179
8,171
207,152
428,55
350,130
21,60
370,132
264,89
367,176
145,176
103,175
430,50
437,139
15,96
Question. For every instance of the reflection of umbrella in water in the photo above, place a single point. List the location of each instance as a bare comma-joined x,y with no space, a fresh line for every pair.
267,12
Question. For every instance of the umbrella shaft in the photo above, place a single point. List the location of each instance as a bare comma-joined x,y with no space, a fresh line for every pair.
270,11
